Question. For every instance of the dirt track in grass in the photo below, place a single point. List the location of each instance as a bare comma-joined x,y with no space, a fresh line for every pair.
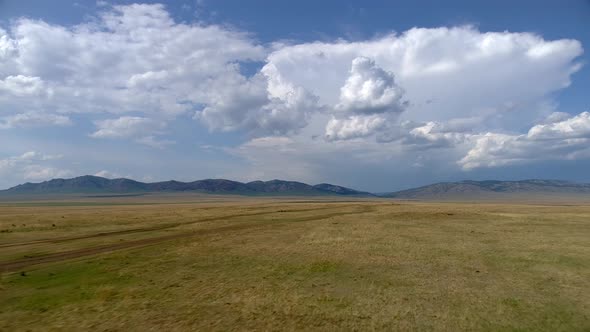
15,265
148,229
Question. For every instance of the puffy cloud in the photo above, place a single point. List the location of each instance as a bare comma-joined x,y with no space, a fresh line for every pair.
262,105
574,127
358,163
369,89
31,165
139,128
12,161
129,59
26,157
369,101
434,135
233,102
126,126
447,144
568,139
42,173
139,68
137,59
446,73
8,49
556,117
354,126
21,86
34,119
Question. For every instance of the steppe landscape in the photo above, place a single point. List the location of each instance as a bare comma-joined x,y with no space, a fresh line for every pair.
256,165
188,262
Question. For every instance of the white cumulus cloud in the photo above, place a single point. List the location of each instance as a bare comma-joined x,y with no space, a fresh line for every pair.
568,139
446,73
142,129
354,126
42,173
33,166
369,101
21,86
128,59
462,94
34,119
126,126
369,89
262,105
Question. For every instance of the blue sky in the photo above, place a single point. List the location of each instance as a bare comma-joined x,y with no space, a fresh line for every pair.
376,95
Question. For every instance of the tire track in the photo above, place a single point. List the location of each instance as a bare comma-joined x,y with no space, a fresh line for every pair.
16,265
153,228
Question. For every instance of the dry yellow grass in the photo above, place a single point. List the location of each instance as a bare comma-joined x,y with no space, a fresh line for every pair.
247,264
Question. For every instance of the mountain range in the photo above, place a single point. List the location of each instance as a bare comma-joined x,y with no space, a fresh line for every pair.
89,184
445,190
490,189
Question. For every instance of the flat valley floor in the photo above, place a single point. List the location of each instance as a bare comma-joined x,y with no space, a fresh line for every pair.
185,263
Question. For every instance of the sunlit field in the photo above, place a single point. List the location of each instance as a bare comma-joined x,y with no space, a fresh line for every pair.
192,263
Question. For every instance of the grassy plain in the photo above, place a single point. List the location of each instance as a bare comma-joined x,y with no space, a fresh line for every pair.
194,263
